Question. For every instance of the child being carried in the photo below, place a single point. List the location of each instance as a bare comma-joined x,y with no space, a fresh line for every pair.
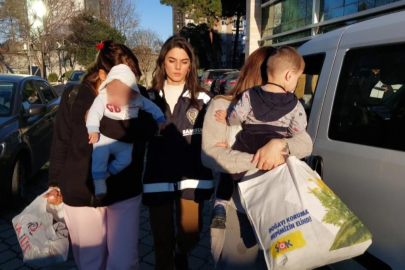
265,112
119,98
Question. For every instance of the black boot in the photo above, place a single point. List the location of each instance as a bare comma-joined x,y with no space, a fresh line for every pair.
180,261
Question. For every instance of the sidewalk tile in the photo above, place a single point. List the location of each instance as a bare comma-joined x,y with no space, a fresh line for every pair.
6,256
12,264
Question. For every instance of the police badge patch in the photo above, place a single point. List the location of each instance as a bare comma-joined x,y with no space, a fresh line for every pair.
192,114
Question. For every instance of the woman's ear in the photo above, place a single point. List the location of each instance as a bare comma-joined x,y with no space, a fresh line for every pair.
102,75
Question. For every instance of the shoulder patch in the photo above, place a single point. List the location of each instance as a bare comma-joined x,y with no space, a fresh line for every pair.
201,96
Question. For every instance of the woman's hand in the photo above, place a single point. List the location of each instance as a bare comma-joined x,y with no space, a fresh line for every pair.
271,155
222,144
53,196
220,116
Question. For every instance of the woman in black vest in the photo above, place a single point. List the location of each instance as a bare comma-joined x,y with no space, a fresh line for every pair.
174,173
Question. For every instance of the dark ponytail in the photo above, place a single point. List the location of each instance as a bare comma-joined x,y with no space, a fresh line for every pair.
110,55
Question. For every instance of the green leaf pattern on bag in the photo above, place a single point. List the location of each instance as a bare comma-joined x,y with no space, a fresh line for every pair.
352,230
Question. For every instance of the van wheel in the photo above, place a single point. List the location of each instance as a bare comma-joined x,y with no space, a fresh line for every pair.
18,182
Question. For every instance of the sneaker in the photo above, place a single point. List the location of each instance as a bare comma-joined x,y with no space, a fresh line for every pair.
100,188
180,261
218,217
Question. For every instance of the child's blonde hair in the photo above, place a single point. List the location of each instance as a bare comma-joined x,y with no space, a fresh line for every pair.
284,58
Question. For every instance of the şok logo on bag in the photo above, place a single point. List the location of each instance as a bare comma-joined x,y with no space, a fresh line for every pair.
287,243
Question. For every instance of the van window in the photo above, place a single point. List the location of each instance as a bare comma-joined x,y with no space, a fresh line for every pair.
369,106
308,81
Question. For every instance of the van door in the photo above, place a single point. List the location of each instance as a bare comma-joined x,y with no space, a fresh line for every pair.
360,140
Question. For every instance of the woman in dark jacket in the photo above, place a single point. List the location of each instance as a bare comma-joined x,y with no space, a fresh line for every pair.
174,173
104,233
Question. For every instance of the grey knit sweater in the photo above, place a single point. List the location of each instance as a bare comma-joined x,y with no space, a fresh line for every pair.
232,161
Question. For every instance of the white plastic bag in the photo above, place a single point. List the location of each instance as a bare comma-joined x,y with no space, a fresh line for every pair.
43,241
300,223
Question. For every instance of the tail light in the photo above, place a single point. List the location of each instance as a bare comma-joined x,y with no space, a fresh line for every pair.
232,82
207,81
222,81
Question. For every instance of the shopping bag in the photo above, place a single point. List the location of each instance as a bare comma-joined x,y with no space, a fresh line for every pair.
299,222
43,240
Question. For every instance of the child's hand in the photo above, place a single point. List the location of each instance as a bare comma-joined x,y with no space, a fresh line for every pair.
93,137
222,144
220,116
162,126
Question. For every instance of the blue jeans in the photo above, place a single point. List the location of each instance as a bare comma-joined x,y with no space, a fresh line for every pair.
102,150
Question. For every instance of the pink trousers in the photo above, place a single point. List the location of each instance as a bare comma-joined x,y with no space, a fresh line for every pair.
105,238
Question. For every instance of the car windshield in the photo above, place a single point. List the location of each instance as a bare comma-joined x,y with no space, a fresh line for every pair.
7,90
76,76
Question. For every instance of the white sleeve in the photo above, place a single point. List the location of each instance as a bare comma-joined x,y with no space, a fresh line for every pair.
153,109
96,112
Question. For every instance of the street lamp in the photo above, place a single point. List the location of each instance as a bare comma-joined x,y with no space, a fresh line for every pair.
36,11
39,8
26,48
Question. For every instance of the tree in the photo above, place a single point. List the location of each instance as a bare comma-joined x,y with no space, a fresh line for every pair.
146,45
231,8
86,32
39,23
199,36
207,11
123,15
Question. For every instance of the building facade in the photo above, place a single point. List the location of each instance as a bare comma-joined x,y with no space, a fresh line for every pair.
293,22
226,28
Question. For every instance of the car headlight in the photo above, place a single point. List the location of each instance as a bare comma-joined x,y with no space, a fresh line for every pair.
2,149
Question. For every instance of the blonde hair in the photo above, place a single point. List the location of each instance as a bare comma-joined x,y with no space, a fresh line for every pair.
285,58
253,72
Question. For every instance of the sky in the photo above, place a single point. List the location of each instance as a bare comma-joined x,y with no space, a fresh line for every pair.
155,16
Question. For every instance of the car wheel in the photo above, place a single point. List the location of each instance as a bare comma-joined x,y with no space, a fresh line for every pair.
18,182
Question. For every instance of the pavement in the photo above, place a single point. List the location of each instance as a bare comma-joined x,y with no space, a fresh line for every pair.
199,259
11,254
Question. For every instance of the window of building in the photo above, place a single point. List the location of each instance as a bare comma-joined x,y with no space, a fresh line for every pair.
46,90
331,9
308,81
369,106
286,15
240,23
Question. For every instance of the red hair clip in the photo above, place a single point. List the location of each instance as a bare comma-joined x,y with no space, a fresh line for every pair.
100,46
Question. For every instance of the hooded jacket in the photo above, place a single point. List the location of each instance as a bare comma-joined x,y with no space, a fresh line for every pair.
174,168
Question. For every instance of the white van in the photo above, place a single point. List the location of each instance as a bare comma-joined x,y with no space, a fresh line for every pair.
354,94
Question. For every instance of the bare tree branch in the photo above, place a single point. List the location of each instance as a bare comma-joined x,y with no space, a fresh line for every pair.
146,45
123,15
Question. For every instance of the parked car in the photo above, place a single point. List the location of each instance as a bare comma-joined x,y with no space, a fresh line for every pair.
28,105
75,78
219,88
210,76
353,90
230,83
200,77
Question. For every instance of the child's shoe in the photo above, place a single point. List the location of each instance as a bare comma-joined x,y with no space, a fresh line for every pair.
100,188
218,217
